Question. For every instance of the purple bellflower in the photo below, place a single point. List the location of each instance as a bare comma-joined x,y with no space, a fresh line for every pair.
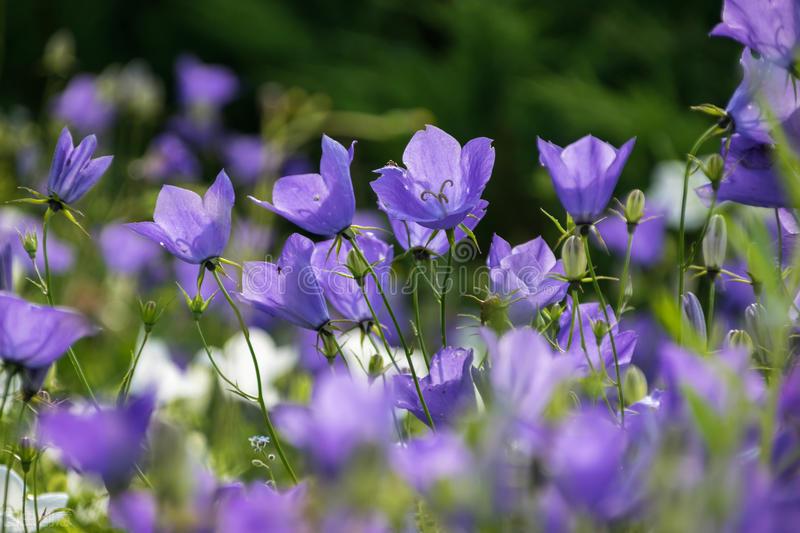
169,158
789,229
526,272
437,457
191,228
134,511
447,389
338,285
584,174
125,252
106,443
442,182
600,354
289,288
424,242
34,336
343,416
750,176
73,171
262,509
247,158
648,237
322,203
205,85
83,106
770,27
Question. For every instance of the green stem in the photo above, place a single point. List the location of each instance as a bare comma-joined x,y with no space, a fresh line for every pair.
24,500
576,313
6,390
125,386
70,352
625,272
417,317
712,291
379,327
219,372
780,248
246,332
682,225
406,347
572,322
35,492
603,306
443,292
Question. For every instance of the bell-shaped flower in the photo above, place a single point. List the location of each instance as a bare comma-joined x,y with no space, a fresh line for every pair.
288,289
84,106
526,272
338,284
424,242
34,336
322,203
73,171
204,85
106,443
584,174
436,458
447,389
442,182
344,415
769,27
191,228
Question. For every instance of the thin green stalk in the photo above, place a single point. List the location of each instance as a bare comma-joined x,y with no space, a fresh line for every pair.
576,313
603,306
70,352
682,225
246,332
443,292
125,386
625,272
24,492
379,327
576,303
712,291
219,372
417,318
6,390
35,492
406,347
572,322
780,248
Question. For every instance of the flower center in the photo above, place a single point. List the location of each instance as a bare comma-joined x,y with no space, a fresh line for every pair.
440,196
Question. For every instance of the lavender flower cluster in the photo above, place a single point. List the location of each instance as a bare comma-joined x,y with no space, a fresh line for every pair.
663,395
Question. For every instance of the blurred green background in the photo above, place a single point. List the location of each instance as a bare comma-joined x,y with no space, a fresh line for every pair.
509,70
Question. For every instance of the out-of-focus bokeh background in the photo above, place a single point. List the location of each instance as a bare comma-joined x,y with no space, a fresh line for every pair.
509,70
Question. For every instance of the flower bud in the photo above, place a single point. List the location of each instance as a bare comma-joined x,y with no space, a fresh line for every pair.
715,244
197,305
494,313
634,207
150,312
600,329
739,338
330,347
714,169
755,323
693,315
634,385
357,266
375,368
26,452
574,258
30,242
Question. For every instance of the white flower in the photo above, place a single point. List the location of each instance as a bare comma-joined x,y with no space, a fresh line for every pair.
157,371
666,190
51,505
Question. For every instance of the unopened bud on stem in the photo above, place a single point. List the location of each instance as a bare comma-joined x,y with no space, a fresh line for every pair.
634,207
574,257
715,244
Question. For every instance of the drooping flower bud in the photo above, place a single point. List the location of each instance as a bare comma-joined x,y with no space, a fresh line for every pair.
574,258
739,338
634,385
30,242
357,266
693,316
634,207
715,244
714,169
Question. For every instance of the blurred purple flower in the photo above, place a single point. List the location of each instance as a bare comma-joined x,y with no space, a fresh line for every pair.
602,356
169,158
6,273
425,461
262,509
287,289
82,106
247,158
750,177
73,171
191,228
442,182
343,416
105,442
125,252
648,238
202,84
34,336
322,203
447,389
413,236
338,285
789,230
770,27
526,271
133,511
584,174
311,359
